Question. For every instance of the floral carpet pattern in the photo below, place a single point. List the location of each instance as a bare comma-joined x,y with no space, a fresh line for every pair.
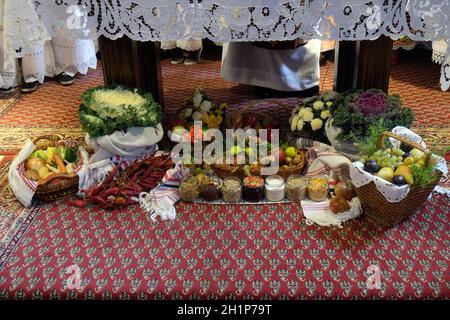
215,251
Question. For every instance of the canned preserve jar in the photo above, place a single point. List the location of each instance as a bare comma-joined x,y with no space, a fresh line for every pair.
274,188
318,188
296,186
189,189
253,189
232,189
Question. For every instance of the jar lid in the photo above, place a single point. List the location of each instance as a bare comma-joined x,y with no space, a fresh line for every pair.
274,181
253,182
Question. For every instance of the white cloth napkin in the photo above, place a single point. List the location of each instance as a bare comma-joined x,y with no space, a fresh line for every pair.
319,213
161,200
128,144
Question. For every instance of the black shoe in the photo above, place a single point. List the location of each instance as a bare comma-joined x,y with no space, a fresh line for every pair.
265,93
6,90
192,57
65,79
28,87
177,56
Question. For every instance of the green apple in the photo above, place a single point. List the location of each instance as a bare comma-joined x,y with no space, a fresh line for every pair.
179,130
235,150
249,151
290,152
416,153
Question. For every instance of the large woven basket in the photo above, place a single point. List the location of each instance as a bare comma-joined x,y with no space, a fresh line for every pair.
58,186
388,214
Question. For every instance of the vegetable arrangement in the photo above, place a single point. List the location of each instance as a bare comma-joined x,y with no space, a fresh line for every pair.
106,109
357,111
42,164
120,189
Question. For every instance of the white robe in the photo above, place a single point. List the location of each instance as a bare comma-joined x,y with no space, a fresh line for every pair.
40,56
285,70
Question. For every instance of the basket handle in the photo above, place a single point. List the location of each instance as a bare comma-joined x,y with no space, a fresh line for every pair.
51,137
400,138
248,105
58,176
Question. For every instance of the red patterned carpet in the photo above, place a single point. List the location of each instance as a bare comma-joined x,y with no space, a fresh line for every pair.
226,252
215,251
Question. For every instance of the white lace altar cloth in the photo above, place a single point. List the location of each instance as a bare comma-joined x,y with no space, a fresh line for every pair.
251,20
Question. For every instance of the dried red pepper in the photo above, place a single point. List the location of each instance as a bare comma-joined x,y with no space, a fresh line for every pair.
120,189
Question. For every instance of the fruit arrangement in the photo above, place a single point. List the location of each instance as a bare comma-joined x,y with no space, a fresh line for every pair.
290,161
43,164
395,165
344,192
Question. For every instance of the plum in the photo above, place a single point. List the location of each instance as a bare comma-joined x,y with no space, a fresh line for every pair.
371,166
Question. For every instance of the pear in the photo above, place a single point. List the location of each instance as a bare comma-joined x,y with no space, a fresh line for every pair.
386,173
406,173
235,150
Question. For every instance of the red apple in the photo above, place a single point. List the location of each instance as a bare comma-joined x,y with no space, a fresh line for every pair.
344,189
338,205
280,155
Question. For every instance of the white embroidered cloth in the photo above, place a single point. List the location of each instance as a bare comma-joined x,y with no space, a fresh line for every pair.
250,20
130,144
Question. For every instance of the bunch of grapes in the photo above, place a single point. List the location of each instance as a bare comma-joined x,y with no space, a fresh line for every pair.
391,157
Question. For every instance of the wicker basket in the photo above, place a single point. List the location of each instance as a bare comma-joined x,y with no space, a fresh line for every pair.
57,186
235,119
388,214
227,170
284,172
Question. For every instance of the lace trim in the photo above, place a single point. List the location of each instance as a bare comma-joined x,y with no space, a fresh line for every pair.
82,68
250,20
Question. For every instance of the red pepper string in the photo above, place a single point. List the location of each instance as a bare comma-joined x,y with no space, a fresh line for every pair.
141,175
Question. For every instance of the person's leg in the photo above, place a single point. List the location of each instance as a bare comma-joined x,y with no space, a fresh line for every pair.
176,54
36,65
9,72
192,49
72,57
264,93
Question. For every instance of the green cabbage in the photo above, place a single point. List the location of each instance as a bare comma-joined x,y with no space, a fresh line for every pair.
106,109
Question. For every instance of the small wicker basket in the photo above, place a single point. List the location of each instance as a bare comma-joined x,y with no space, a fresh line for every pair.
285,172
57,186
388,214
235,119
227,170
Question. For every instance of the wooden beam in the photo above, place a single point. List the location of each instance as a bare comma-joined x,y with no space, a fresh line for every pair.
374,65
344,65
132,63
363,64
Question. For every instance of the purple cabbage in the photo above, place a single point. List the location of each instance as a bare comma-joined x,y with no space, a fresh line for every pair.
371,103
